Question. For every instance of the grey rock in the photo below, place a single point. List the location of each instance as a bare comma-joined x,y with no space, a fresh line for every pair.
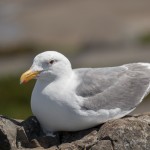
128,133
8,133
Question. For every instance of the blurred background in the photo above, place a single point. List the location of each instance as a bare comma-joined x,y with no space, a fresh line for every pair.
95,33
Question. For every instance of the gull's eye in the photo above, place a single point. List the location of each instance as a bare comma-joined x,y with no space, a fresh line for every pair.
51,62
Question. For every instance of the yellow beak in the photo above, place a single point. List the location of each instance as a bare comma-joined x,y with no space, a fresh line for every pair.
28,75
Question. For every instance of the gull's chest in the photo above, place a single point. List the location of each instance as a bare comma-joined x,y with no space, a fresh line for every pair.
54,93
54,103
48,102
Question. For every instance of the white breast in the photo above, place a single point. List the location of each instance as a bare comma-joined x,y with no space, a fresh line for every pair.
56,111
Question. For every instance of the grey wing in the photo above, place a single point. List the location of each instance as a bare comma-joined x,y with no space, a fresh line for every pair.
121,87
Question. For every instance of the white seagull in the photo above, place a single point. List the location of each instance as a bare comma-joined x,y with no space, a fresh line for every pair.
66,99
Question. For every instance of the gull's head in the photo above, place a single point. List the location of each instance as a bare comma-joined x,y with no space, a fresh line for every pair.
47,66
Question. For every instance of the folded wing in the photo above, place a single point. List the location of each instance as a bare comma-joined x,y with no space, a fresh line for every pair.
121,87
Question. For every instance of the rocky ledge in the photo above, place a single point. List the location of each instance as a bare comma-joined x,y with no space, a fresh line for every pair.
128,133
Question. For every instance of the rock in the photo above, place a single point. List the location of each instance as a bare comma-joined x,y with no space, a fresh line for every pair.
128,133
8,133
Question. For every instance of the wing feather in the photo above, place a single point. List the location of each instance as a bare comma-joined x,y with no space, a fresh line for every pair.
116,87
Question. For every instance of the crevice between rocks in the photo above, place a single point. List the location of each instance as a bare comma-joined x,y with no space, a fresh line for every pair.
111,140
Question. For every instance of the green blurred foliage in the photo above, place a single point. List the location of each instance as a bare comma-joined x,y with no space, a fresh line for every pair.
144,39
15,98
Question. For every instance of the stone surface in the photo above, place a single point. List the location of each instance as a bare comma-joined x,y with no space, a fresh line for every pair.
128,133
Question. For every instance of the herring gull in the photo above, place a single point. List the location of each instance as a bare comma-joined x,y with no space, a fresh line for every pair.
66,99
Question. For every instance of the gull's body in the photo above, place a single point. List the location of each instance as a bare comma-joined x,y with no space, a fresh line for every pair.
66,99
